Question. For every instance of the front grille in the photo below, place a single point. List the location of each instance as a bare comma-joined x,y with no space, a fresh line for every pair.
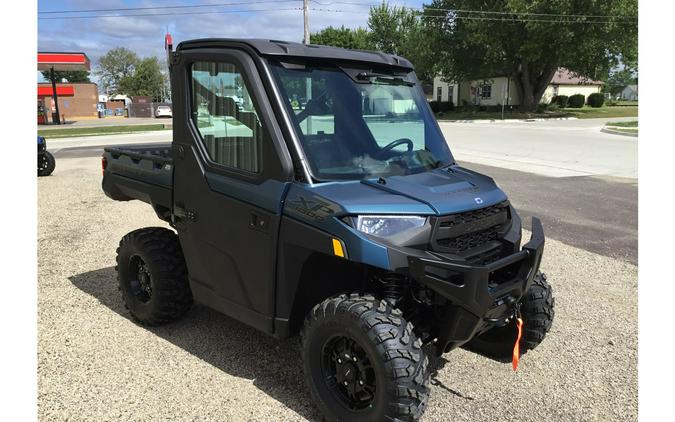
468,241
473,235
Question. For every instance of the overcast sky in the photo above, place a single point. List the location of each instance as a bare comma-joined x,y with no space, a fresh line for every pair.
274,19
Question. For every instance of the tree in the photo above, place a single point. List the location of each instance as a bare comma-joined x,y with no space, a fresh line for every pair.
342,37
116,65
399,30
529,40
73,76
618,80
146,80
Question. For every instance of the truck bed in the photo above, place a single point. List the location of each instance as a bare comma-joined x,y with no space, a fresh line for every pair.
143,172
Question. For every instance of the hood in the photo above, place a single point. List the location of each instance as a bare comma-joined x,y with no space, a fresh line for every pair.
444,191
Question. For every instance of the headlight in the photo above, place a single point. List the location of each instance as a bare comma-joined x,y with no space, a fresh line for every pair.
399,229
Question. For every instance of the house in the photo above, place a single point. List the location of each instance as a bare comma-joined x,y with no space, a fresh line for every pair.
629,93
498,90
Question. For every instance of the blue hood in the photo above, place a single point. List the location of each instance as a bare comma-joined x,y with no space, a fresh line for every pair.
444,191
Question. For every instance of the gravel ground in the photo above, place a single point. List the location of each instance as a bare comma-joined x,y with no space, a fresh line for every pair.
96,364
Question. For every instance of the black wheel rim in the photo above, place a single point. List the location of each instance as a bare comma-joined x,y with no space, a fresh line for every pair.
140,281
348,372
43,163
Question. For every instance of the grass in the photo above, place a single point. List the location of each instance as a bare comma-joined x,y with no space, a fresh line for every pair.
580,113
96,131
633,123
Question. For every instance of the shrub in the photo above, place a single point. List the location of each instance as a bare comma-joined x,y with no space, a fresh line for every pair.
595,100
434,106
446,106
561,100
577,101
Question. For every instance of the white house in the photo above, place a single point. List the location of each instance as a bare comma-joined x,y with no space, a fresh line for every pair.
629,93
498,90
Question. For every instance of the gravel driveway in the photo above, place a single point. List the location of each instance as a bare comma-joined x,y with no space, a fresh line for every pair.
96,364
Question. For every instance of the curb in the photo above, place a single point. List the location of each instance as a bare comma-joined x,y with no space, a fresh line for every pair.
616,132
539,119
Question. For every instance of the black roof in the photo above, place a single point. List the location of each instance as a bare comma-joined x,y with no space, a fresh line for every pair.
293,49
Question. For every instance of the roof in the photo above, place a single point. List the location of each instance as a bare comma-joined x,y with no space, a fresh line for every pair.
62,61
565,77
274,48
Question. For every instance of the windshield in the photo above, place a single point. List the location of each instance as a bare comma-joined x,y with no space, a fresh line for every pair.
356,123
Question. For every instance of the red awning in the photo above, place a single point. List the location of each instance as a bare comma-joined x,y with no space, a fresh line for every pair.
46,91
63,61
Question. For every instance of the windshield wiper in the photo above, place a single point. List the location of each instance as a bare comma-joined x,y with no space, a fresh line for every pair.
378,77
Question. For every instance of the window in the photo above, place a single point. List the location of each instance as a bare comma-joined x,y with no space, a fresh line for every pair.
555,90
486,91
451,92
224,113
439,94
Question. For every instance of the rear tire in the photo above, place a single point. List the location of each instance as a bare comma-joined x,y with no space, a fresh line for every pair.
537,309
152,276
46,164
382,373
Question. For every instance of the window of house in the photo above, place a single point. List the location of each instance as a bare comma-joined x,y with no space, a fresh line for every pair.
226,117
486,91
450,92
555,90
439,94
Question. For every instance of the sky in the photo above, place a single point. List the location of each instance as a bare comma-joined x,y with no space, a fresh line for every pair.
271,19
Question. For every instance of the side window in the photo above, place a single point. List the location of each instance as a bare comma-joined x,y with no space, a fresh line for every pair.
224,113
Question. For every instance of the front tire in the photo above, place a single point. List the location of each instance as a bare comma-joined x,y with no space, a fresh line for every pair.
152,276
363,362
537,309
46,163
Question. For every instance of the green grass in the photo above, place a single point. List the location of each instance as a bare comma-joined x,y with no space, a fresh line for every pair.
633,123
96,131
580,113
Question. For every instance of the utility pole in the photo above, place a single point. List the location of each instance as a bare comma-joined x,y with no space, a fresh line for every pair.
305,11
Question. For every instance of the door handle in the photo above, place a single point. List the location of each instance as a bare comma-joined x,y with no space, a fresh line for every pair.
258,222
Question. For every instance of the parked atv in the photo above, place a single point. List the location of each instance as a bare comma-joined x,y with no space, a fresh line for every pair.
346,221
46,161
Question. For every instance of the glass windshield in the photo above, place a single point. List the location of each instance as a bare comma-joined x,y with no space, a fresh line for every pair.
356,123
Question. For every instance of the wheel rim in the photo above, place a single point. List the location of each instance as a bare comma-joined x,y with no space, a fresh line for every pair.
43,163
140,279
349,373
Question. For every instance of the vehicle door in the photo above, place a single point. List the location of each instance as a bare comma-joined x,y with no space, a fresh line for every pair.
231,173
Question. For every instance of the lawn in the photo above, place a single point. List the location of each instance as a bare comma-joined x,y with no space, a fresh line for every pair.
95,131
633,123
581,113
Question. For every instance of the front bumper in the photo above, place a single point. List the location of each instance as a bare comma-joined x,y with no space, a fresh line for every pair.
480,296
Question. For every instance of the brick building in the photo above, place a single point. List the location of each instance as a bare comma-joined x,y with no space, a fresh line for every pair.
76,100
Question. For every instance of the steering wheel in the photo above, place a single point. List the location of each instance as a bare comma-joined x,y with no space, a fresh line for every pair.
394,144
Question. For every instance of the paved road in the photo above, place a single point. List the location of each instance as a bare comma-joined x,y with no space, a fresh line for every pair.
108,121
556,148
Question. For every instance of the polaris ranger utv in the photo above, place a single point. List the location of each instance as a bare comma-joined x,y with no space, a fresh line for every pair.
312,192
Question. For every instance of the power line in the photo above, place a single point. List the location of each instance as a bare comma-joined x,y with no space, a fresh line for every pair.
129,9
499,19
487,12
168,14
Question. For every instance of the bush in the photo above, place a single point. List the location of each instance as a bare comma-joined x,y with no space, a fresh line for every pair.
561,100
577,101
596,100
444,106
434,106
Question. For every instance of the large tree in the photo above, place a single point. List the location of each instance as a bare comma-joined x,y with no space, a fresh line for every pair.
116,65
529,39
72,76
343,37
146,80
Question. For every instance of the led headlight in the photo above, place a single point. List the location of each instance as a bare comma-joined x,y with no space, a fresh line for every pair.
399,229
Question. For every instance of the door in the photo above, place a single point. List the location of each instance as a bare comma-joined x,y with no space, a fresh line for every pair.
231,173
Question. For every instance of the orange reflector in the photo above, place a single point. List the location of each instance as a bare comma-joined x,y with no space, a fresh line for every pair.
516,347
337,248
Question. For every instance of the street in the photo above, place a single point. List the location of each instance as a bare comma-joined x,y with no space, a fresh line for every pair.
581,182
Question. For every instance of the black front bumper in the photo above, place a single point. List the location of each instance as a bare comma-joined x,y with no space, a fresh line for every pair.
480,296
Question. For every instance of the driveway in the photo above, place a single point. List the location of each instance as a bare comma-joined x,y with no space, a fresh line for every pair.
554,148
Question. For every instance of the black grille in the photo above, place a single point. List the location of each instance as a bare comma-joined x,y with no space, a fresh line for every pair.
473,235
468,241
